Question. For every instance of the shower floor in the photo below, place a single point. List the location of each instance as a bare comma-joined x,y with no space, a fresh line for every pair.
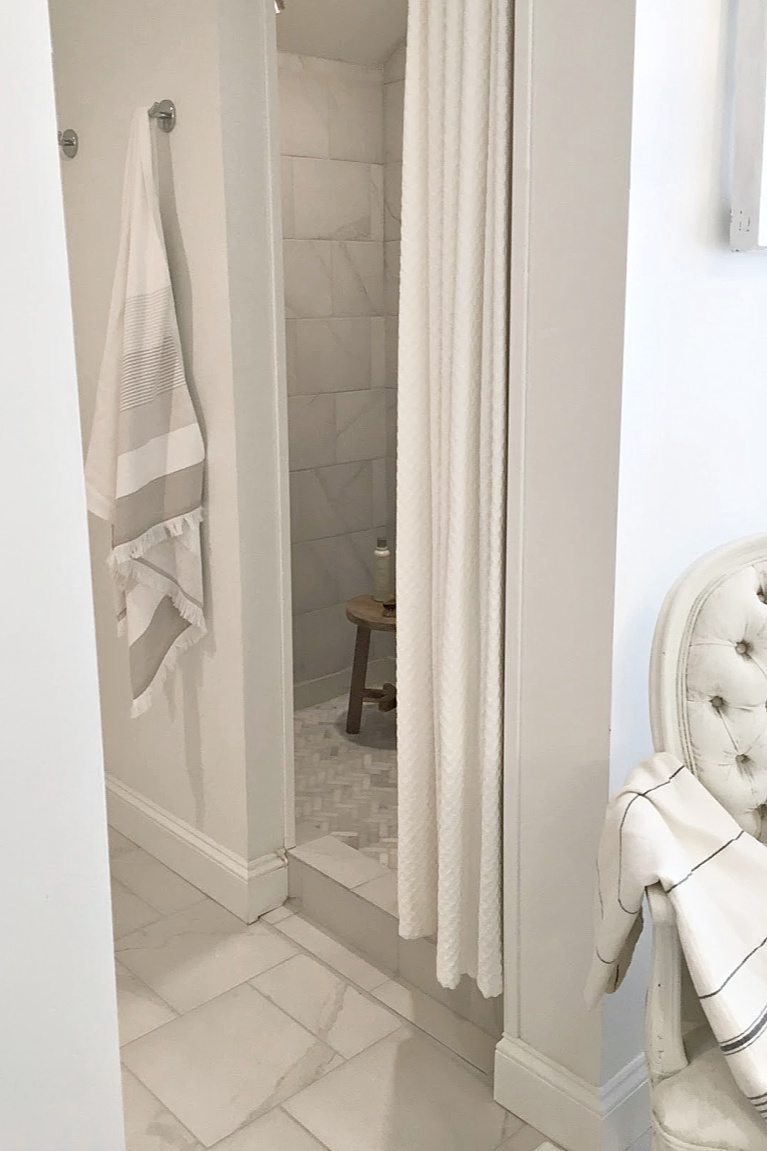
346,785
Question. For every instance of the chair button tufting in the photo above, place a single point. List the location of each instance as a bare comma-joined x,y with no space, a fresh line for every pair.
742,648
717,702
741,759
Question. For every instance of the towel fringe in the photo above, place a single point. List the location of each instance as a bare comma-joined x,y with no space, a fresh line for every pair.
133,549
129,572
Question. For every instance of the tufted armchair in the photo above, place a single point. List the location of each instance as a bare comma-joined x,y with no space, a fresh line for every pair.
708,700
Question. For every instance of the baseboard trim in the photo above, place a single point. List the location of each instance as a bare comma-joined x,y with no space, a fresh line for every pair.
573,1113
248,888
314,691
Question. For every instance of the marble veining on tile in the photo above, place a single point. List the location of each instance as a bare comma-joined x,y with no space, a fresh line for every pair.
441,1104
227,1062
149,1126
275,1131
358,279
196,954
326,1005
139,1009
277,1036
330,501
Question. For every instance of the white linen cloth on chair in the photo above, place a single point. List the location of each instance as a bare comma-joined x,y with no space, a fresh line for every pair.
453,378
664,826
144,471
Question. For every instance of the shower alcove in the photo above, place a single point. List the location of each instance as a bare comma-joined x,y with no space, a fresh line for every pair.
341,84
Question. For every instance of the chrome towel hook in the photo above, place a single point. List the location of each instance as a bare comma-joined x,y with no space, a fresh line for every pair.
164,112
69,143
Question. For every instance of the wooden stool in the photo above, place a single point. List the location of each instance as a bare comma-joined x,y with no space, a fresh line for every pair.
368,615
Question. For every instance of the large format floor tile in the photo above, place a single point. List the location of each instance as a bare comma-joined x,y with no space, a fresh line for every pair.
227,1062
273,1132
139,1009
405,1093
330,951
148,1125
462,1037
190,957
527,1140
153,882
128,911
326,1005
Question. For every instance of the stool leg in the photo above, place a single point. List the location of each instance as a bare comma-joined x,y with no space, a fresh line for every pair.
359,675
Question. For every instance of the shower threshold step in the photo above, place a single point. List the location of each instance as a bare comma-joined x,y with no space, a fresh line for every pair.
355,898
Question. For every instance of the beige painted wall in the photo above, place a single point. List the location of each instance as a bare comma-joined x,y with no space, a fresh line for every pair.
571,275
213,750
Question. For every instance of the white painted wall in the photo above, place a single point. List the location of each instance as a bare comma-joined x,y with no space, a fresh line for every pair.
59,1064
633,327
358,31
214,752
695,374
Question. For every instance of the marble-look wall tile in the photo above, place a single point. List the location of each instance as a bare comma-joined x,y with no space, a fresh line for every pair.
378,352
358,279
330,571
392,350
360,425
288,221
391,273
331,200
392,200
391,424
323,642
332,355
394,68
303,112
339,206
380,504
391,496
377,202
290,355
314,570
356,116
394,108
331,69
311,431
308,278
331,501
355,564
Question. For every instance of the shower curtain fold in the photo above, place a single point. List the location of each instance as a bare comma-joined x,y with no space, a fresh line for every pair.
453,373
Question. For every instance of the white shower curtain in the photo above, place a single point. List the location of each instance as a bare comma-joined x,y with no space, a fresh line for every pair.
453,372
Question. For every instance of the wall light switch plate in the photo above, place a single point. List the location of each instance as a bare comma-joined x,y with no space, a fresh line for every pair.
748,223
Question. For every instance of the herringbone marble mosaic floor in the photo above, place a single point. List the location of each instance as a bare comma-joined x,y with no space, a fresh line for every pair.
346,785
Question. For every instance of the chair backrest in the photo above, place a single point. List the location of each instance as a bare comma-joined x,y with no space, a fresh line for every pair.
708,677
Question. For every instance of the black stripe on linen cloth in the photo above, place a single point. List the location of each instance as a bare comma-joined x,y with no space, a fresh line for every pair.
747,1037
735,970
636,795
713,855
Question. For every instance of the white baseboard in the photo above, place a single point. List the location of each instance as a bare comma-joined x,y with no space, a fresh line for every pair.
314,691
575,1114
248,888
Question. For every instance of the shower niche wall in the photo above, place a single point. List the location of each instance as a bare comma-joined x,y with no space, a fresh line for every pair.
341,148
341,141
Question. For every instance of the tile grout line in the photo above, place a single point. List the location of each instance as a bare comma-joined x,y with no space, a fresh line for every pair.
164,1106
367,993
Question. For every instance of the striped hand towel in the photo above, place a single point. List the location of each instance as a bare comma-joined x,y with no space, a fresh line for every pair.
144,471
664,826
